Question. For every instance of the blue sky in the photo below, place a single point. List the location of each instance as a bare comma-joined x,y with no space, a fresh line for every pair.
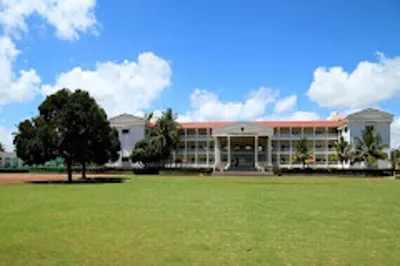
208,60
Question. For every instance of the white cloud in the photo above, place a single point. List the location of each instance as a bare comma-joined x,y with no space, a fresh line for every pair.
68,17
395,133
128,87
295,116
6,138
286,104
303,116
369,84
20,87
206,106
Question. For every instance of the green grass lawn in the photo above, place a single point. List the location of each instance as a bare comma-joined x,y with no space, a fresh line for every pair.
202,221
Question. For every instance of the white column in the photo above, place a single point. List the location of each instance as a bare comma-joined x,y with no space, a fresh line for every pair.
326,147
229,149
291,147
314,144
256,150
196,147
185,154
269,150
208,147
216,151
279,146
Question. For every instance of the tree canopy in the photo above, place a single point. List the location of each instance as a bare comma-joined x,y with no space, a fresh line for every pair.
70,125
369,148
302,153
162,139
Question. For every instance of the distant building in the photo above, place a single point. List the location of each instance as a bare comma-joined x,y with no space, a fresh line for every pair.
10,160
232,144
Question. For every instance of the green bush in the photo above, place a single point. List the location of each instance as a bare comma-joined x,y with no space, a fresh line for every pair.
276,170
14,170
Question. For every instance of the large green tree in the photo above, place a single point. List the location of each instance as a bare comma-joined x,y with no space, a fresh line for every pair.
369,148
343,151
162,139
302,153
70,125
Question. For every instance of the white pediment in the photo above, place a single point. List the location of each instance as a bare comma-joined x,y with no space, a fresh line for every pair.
243,129
126,120
370,114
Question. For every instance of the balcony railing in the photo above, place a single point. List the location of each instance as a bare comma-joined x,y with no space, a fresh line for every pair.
197,137
307,136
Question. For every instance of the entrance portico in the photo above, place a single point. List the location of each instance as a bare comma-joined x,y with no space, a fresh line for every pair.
243,144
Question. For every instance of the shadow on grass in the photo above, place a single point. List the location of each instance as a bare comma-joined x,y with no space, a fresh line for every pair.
287,183
88,181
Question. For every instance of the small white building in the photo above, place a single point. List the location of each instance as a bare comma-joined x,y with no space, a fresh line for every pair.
252,144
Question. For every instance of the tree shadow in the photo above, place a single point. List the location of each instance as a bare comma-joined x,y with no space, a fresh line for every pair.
87,181
287,183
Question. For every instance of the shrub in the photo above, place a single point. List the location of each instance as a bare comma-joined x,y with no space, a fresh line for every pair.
147,171
276,170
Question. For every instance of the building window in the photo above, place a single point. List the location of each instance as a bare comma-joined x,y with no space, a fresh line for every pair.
370,128
125,131
125,159
345,130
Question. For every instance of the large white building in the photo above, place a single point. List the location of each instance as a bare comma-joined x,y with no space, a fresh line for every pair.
232,145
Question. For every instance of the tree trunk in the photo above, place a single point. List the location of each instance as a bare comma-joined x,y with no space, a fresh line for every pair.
69,170
83,170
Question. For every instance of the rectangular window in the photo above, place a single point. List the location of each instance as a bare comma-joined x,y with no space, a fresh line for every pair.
125,159
369,128
125,131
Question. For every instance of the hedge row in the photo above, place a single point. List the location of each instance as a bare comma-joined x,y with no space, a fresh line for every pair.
173,171
203,170
334,172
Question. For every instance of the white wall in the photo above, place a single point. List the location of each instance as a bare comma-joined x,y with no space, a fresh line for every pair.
129,140
137,131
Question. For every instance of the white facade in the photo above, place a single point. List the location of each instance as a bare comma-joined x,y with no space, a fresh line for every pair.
130,129
229,145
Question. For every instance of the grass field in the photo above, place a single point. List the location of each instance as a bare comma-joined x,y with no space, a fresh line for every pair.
202,221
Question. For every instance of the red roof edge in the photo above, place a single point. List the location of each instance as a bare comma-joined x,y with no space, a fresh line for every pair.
311,123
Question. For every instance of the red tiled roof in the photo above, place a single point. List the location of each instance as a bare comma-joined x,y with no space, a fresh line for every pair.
315,123
203,124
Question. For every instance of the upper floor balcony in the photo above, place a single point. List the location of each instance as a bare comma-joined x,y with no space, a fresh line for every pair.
319,136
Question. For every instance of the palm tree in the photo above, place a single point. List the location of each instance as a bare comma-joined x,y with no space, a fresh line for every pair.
343,151
162,138
163,134
369,149
302,154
